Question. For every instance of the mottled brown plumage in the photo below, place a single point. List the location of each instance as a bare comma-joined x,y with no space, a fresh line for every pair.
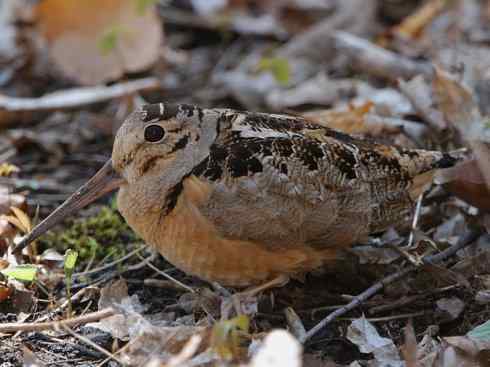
241,197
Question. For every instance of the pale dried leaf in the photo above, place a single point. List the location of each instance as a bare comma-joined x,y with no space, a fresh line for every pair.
466,181
30,359
451,306
458,104
279,349
93,41
23,218
363,334
409,348
295,324
413,25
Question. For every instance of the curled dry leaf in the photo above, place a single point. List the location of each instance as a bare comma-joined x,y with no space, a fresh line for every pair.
7,202
93,41
5,292
413,25
452,307
469,180
409,348
466,181
351,121
363,334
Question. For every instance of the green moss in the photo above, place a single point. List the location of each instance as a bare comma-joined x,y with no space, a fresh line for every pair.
101,235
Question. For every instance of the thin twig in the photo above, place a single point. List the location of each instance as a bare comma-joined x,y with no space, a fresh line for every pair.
77,296
390,318
467,239
109,265
73,98
415,221
165,284
119,351
90,343
11,327
106,277
404,301
169,277
375,60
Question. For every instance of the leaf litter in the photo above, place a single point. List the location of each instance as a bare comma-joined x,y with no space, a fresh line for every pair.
414,74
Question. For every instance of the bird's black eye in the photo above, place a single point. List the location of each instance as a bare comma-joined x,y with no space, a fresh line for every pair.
154,133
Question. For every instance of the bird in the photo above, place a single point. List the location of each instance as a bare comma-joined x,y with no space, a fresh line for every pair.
241,198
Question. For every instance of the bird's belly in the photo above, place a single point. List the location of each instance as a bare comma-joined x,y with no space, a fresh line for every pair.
188,240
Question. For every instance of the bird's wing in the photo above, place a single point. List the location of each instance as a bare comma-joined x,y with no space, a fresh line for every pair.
291,180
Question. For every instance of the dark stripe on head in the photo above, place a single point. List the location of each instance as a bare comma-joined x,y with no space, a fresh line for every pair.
159,111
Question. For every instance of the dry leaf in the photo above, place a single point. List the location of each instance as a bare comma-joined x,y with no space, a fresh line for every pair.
279,349
93,41
459,106
5,292
8,200
462,351
351,121
6,169
409,349
363,334
452,307
466,181
23,218
413,25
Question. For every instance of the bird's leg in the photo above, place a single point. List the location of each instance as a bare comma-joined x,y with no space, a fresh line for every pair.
278,281
237,298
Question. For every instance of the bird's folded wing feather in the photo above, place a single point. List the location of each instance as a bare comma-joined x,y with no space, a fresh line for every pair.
291,180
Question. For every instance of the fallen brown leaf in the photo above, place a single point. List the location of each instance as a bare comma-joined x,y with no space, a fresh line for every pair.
466,181
93,41
409,348
351,121
413,25
459,106
5,292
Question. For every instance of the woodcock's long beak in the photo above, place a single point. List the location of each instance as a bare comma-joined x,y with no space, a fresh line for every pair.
104,181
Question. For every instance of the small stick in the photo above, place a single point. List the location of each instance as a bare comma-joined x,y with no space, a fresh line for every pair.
166,284
415,220
11,327
467,239
169,277
111,264
390,318
77,296
407,300
72,98
89,342
372,59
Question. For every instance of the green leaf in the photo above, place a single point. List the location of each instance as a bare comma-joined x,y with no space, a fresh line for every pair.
278,66
25,273
70,261
143,5
108,41
487,124
225,338
481,332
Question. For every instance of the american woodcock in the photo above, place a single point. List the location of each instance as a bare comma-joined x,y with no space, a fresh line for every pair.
242,197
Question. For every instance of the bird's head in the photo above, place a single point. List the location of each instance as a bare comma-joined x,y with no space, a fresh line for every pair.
160,143
163,140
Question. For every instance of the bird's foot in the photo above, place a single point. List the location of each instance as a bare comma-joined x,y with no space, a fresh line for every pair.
241,298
